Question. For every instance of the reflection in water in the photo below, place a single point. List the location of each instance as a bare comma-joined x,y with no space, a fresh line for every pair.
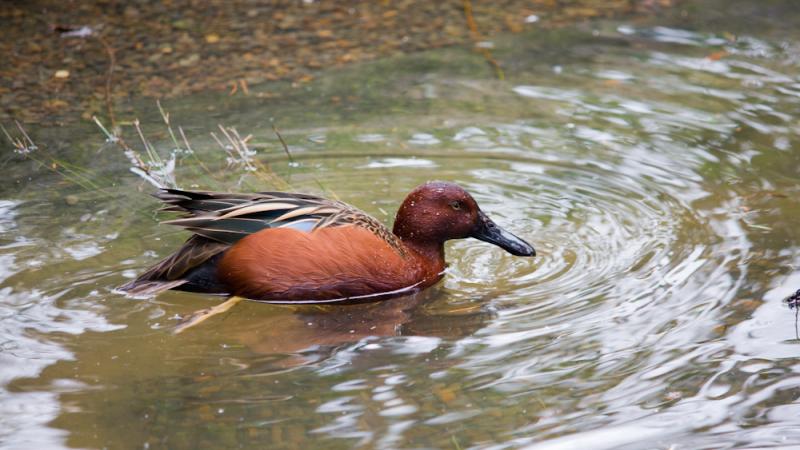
266,359
653,167
328,327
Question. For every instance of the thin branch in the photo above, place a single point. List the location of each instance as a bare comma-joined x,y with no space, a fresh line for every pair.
26,147
285,147
476,37
30,145
112,61
165,117
110,137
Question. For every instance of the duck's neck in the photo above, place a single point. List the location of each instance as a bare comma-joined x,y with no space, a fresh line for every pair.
430,251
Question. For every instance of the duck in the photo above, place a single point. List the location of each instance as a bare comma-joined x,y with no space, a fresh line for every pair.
280,247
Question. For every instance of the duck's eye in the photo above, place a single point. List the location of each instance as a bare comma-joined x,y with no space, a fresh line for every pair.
455,205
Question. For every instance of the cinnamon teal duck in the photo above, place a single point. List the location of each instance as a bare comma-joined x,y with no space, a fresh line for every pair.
295,248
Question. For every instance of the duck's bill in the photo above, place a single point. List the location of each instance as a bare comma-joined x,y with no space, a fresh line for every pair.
488,231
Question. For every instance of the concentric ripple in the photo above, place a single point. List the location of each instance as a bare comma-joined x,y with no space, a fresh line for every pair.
613,229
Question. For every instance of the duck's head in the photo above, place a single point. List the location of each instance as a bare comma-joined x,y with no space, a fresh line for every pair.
438,211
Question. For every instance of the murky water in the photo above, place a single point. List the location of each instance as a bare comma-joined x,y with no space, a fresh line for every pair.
654,169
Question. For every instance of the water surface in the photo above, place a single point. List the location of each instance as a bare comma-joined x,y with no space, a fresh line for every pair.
653,165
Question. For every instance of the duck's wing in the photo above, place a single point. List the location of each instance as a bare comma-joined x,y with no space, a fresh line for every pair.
200,202
227,218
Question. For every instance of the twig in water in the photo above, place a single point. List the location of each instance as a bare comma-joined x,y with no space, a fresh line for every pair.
110,137
240,153
112,61
291,161
285,147
236,144
185,141
165,118
25,146
155,170
196,158
476,37
152,154
160,172
164,173
30,145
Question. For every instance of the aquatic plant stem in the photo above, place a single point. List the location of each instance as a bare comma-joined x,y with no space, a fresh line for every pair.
140,167
25,147
239,153
283,143
112,61
197,159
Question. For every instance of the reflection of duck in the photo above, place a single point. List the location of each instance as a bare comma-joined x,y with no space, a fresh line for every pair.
296,248
324,328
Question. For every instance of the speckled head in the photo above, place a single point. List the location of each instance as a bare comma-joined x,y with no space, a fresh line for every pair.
438,211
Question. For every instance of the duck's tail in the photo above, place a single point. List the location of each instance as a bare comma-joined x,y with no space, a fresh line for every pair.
148,288
191,268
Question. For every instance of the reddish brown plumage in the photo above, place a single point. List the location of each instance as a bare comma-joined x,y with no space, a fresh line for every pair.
283,247
327,264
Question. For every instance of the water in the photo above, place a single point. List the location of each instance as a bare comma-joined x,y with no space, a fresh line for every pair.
653,165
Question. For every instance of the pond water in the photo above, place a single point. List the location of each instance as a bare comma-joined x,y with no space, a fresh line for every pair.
652,164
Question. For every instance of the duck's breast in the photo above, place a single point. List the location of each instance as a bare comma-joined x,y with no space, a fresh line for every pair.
284,264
